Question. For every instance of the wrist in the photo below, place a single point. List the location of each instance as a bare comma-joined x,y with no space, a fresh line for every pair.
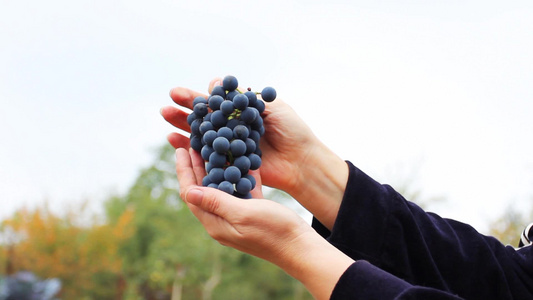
316,264
321,183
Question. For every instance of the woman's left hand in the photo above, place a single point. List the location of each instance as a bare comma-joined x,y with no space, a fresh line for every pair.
262,228
259,227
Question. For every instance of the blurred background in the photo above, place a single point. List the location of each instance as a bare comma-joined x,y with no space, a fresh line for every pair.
432,98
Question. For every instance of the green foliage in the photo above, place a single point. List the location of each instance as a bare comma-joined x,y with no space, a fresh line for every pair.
509,226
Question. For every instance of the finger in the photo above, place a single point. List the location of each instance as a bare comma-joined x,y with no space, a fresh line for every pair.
216,81
213,218
214,201
176,117
184,171
188,180
198,165
178,140
184,96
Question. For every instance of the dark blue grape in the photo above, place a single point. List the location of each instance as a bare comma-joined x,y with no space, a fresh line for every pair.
257,123
219,91
209,137
255,135
244,186
255,161
208,167
217,160
190,118
206,126
231,95
249,115
206,152
232,174
214,102
196,143
252,98
213,185
208,116
260,105
232,123
230,83
240,101
227,187
216,175
195,126
246,196
221,145
206,181
250,146
252,180
197,100
243,164
237,148
241,132
225,132
268,94
258,152
218,119
227,107
200,110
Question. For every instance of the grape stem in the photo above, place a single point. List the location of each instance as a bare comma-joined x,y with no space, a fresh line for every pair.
236,114
230,157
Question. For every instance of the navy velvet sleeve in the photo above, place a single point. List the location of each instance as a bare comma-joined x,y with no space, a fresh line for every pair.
378,225
365,281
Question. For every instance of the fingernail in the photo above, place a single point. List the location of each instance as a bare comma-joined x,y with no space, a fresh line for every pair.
218,82
194,197
170,93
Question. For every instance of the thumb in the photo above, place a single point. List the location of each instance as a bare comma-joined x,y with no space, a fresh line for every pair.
213,201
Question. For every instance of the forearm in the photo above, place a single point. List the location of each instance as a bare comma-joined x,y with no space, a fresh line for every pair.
315,263
329,274
321,183
421,248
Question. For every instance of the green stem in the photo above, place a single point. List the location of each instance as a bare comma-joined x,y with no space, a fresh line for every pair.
230,158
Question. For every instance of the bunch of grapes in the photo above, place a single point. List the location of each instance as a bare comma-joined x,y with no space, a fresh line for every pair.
225,130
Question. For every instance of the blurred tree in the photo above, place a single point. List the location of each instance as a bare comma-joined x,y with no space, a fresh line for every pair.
149,246
509,226
83,258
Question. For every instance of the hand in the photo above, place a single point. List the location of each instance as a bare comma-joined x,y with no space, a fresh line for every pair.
309,167
256,226
261,228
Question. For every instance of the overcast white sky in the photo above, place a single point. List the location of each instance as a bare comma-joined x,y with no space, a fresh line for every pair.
441,91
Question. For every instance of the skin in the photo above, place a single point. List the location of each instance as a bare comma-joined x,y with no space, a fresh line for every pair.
312,173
